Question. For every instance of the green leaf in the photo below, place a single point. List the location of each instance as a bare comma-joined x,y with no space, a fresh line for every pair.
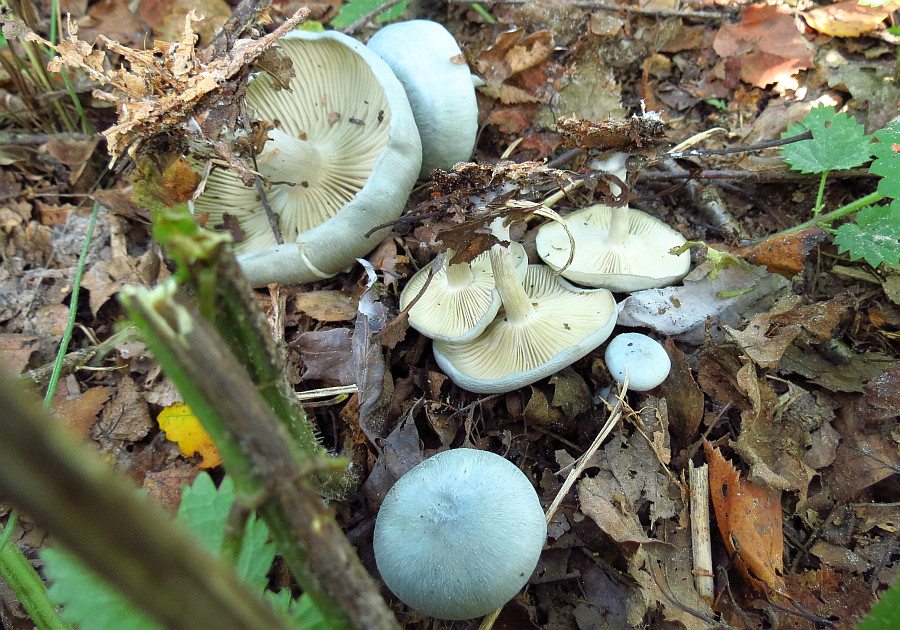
87,599
874,3
302,610
838,142
885,614
257,554
875,236
355,9
204,509
90,602
887,161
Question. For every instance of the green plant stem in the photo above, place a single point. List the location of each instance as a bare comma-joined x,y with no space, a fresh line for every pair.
269,468
132,543
820,195
27,584
73,308
828,217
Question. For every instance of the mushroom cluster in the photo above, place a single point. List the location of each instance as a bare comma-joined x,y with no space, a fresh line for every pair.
345,148
460,534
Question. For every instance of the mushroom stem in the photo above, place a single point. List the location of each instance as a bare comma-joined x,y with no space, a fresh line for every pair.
619,225
290,160
515,301
460,275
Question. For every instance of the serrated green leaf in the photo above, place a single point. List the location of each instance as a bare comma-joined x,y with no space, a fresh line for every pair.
204,509
838,142
356,9
301,610
874,237
887,161
87,600
257,554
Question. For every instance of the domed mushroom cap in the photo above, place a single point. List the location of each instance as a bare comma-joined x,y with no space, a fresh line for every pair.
561,324
461,299
432,68
643,358
342,159
460,534
620,249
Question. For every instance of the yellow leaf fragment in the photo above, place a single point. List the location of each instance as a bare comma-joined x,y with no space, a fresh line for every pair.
183,428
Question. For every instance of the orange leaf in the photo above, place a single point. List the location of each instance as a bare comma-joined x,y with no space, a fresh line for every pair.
183,427
749,518
848,19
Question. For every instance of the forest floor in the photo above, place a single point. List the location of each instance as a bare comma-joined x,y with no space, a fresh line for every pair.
785,352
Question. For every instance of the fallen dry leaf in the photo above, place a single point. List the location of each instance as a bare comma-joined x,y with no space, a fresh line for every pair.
849,18
765,45
184,428
763,342
327,306
785,254
749,518
80,413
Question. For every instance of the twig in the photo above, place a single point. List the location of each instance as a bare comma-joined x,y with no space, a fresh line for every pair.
325,392
371,15
78,359
745,149
34,139
133,544
700,541
601,6
582,461
761,177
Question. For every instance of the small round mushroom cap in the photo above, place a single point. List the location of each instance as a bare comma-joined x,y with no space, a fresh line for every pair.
432,68
545,326
644,358
460,534
461,299
342,159
620,249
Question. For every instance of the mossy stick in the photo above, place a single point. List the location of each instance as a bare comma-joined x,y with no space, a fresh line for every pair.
270,468
116,531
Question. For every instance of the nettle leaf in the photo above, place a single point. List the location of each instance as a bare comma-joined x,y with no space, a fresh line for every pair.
838,142
887,161
89,601
874,237
355,9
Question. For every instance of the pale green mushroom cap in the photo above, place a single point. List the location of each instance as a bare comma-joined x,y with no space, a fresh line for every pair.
554,325
623,253
461,299
342,159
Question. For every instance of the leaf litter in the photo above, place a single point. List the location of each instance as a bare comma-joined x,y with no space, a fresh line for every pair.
784,352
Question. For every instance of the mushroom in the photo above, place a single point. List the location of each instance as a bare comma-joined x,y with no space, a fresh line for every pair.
620,249
642,358
440,88
544,326
341,160
460,534
461,299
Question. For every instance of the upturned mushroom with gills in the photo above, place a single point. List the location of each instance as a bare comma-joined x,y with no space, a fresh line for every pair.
342,159
543,326
461,299
460,534
620,249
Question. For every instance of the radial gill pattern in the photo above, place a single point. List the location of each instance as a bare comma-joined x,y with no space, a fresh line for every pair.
334,104
565,321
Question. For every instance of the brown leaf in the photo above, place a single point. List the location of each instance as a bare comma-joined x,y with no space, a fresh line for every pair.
749,518
15,352
326,356
765,45
80,413
165,486
684,398
125,418
763,342
848,18
327,306
785,254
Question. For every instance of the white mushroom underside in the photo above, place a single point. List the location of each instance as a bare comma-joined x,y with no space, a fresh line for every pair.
337,106
461,312
644,251
567,323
